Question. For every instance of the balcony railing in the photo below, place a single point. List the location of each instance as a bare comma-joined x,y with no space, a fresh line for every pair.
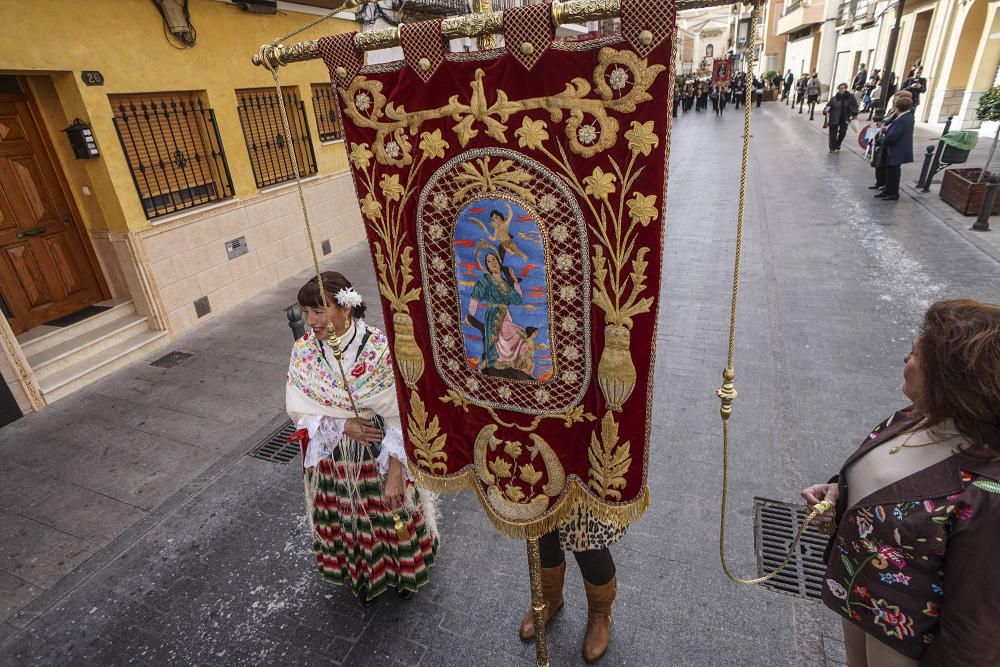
792,6
855,12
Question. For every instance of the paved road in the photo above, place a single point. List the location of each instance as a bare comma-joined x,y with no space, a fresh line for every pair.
834,285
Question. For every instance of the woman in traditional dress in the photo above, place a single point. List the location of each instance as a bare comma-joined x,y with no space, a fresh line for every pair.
372,528
503,340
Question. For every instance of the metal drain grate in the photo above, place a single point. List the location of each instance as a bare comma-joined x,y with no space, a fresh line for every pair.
775,525
172,359
275,447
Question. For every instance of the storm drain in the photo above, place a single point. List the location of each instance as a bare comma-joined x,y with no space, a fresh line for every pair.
172,359
775,526
275,447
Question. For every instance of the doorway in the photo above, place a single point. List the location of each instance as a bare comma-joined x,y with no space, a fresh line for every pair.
45,270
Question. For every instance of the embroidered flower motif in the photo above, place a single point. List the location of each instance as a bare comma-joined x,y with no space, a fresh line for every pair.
371,208
587,134
432,145
392,189
568,324
392,149
932,609
504,393
887,578
892,621
571,352
642,208
435,231
567,292
599,184
447,340
440,290
531,134
837,590
452,365
862,592
641,138
865,527
560,233
902,579
929,505
363,101
963,511
571,377
439,201
360,156
547,202
892,554
438,264
542,396
880,513
442,318
564,262
472,384
618,78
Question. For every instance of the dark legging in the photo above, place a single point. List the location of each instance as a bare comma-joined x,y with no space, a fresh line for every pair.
596,565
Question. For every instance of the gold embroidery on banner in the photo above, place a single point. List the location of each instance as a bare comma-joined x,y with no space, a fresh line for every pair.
428,441
391,122
609,460
510,486
486,179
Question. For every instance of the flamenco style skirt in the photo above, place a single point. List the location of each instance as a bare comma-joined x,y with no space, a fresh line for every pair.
355,538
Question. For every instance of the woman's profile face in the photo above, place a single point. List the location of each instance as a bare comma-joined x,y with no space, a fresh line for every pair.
493,264
913,374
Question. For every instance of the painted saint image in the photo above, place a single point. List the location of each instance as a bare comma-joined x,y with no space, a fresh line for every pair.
503,291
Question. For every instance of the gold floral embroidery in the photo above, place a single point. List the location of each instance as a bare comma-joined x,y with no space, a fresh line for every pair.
599,184
609,460
428,441
480,176
642,208
392,189
511,481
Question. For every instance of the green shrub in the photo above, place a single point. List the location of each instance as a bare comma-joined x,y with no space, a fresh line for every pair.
989,105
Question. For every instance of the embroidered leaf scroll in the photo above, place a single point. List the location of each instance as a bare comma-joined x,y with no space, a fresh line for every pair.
609,460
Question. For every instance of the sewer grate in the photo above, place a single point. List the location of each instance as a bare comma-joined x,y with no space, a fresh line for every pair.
172,359
775,526
275,447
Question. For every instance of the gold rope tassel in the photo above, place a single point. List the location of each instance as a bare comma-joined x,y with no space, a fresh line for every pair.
727,393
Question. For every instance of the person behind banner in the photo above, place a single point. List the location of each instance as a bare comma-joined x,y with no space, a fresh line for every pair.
355,469
912,568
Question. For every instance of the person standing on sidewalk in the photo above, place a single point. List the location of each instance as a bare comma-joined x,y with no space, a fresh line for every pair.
917,85
758,91
813,90
860,79
789,82
840,110
912,567
800,89
897,147
356,479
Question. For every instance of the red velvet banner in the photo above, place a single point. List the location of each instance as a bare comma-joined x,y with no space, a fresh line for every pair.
515,220
722,70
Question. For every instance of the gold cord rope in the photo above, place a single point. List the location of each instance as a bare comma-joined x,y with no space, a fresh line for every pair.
332,338
727,393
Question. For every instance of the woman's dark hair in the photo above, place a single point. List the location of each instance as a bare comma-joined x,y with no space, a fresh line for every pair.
959,353
904,103
333,282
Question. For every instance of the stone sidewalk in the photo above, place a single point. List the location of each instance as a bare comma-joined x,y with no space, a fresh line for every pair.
136,531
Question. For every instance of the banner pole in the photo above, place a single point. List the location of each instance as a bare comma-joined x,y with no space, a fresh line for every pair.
537,602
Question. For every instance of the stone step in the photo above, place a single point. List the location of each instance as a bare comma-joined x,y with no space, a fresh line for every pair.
111,333
66,380
61,336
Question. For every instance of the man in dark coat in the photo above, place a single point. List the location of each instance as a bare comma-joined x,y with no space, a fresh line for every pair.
861,79
917,85
840,110
897,146
789,81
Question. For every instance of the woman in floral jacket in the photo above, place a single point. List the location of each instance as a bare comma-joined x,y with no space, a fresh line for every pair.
914,566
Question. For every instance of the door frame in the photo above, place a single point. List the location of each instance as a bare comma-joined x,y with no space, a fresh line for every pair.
64,186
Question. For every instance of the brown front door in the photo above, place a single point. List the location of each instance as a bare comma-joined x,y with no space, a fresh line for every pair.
44,270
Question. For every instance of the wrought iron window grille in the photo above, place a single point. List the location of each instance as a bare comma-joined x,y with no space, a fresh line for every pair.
328,125
260,117
174,151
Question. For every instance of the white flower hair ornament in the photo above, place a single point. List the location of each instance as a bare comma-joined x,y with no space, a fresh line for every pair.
348,298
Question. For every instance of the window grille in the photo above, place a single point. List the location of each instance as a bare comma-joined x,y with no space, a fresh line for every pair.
328,123
174,153
264,132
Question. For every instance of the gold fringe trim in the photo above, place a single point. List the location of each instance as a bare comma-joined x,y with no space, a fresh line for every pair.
619,516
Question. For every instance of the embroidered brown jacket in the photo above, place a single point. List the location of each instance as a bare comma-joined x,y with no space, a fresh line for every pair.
916,564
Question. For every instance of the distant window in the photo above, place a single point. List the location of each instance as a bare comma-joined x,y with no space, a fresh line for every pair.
710,50
260,116
328,123
172,146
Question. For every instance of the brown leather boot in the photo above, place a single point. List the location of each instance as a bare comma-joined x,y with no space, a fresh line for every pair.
599,599
552,593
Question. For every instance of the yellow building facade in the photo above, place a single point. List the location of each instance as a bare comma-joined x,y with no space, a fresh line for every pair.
189,209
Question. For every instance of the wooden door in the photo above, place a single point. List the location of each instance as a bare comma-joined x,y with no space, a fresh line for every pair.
44,269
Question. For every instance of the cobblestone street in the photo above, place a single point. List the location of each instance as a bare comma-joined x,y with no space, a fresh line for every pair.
211,564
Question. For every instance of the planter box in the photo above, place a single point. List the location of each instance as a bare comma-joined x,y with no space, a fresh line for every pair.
960,189
770,95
